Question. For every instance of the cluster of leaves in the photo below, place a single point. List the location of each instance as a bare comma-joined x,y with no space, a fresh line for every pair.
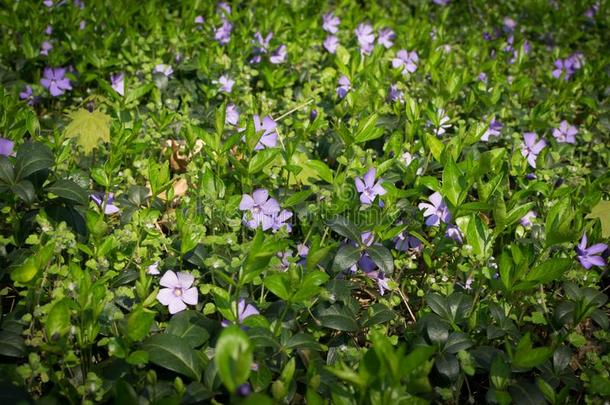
113,188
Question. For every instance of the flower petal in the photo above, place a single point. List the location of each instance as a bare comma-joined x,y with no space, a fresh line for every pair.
169,280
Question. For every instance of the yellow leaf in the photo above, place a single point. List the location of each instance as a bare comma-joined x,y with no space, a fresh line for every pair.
602,211
90,129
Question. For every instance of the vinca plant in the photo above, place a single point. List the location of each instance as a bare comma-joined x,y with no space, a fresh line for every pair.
288,202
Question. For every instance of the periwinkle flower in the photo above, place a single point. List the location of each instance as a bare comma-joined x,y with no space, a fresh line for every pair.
566,133
45,48
385,37
243,311
330,23
406,158
153,269
279,221
313,115
244,390
368,188
366,38
55,80
526,220
222,34
263,42
405,242
260,209
226,84
589,256
224,7
27,94
407,60
6,147
567,67
395,94
82,25
199,19
482,77
331,43
454,233
495,127
279,55
118,83
591,12
435,211
441,2
268,127
48,3
164,69
231,114
509,24
178,292
105,201
530,148
344,86
48,30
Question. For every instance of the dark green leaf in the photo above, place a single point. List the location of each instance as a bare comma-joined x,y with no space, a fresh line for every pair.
69,190
173,353
32,157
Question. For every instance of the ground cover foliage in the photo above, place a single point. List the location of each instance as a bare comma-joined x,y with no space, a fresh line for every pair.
304,201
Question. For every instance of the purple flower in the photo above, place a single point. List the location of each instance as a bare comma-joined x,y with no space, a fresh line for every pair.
82,25
153,269
404,243
453,232
178,291
55,80
575,61
565,133
244,390
199,19
344,86
331,43
441,2
526,220
302,250
224,7
6,147
107,203
330,23
118,83
279,55
395,94
231,114
567,67
79,3
164,69
45,48
592,11
482,77
380,279
243,311
530,148
494,129
436,211
263,43
366,38
588,256
226,83
279,221
509,24
260,209
48,30
268,127
386,37
27,94
407,60
223,33
48,3
367,187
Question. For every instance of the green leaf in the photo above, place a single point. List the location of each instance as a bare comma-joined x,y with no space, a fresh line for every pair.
345,228
528,357
602,212
7,174
24,190
454,184
69,190
173,353
279,285
321,169
297,198
382,258
346,257
32,157
138,92
90,128
189,325
302,341
550,270
378,313
25,272
139,322
367,130
262,159
233,357
434,145
58,320
338,318
310,286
